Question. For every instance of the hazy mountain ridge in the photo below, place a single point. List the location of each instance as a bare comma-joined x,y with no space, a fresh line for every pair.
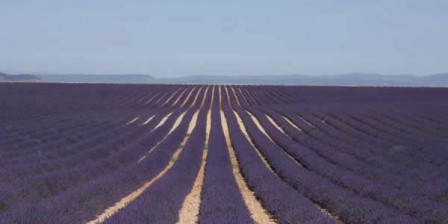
18,78
106,78
350,79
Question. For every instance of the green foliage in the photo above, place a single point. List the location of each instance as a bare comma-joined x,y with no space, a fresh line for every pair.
174,158
441,197
2,207
42,189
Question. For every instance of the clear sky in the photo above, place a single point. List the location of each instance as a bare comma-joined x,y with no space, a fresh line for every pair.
244,37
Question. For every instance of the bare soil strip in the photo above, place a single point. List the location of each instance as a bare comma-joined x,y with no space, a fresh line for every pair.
244,96
325,211
162,121
254,100
148,120
143,99
134,99
243,129
160,98
275,124
175,125
292,124
168,100
255,119
258,213
203,99
234,94
178,98
209,118
132,121
328,213
152,98
188,96
305,120
135,194
190,207
196,98
284,133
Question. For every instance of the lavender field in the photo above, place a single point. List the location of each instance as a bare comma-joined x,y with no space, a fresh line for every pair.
117,153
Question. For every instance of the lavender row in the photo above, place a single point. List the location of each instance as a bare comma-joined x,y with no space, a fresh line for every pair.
61,180
280,199
159,203
365,154
338,200
221,198
96,195
415,206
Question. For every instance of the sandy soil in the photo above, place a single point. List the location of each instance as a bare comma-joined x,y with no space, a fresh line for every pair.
162,121
179,97
258,213
234,94
190,207
305,120
133,195
196,98
244,96
297,162
169,98
176,123
291,123
251,96
188,97
148,120
132,121
152,98
255,119
275,124
243,129
160,98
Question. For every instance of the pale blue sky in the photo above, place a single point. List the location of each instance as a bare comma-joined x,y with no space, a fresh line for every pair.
173,38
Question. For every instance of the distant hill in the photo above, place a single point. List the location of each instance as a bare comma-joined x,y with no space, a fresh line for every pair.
17,78
435,80
351,79
86,78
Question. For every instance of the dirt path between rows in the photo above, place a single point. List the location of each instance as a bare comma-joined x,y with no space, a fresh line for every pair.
122,203
190,207
258,213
